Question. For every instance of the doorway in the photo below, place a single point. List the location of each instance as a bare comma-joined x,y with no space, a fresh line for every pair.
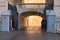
33,21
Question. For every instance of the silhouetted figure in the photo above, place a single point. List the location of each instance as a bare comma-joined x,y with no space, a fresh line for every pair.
14,16
44,25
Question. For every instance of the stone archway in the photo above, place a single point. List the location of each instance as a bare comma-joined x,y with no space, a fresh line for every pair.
31,20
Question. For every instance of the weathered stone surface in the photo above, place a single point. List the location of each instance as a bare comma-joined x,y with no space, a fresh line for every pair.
56,2
3,6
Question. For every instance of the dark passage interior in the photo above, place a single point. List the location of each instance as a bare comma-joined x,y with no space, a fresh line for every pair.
33,21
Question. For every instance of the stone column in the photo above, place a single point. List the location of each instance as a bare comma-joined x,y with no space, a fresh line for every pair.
50,20
6,22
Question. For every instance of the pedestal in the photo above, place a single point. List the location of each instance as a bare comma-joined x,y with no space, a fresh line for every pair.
6,22
50,20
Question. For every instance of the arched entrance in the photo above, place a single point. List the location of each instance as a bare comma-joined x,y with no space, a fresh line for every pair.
33,21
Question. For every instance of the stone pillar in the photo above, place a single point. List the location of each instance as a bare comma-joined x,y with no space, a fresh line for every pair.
50,20
6,22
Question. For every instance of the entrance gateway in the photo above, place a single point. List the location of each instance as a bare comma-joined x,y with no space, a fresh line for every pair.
48,23
49,13
33,21
25,21
50,20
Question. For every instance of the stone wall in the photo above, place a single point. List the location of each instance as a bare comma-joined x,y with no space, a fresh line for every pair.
57,7
57,12
3,6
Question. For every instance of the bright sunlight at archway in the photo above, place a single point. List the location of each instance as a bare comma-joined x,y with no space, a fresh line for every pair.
33,23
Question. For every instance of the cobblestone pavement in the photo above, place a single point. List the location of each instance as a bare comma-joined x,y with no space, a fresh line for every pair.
36,36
